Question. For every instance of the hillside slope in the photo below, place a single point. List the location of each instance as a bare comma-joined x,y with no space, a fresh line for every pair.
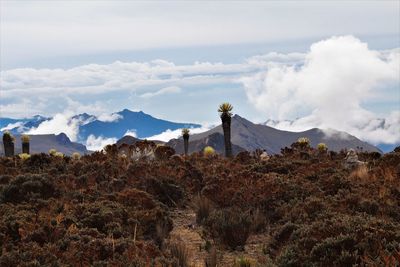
250,136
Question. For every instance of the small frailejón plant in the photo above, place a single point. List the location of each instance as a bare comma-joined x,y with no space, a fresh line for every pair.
52,152
59,155
303,142
24,156
76,156
208,151
25,143
8,143
322,148
185,135
225,114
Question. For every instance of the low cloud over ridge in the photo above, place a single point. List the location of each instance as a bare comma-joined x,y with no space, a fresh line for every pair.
333,85
329,89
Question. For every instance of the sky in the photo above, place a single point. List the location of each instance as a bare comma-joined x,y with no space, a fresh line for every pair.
297,65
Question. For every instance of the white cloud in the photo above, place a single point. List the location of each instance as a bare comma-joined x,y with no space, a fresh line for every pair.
329,88
20,108
171,134
109,117
131,132
97,143
10,126
60,123
96,79
163,91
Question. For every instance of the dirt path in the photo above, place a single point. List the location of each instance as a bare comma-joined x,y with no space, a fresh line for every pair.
188,232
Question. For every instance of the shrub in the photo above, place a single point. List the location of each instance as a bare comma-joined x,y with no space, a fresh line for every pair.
231,226
328,250
27,187
163,152
38,161
208,151
165,190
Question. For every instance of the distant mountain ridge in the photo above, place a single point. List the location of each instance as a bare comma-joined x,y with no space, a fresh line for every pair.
245,134
44,142
249,136
141,123
119,123
17,126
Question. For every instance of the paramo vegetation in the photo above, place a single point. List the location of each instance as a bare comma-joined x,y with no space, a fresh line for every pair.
304,207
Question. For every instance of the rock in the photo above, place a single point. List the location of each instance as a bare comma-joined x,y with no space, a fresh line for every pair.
264,156
351,160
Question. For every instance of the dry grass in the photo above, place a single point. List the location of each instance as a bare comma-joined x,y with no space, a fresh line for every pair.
212,258
202,208
181,254
361,174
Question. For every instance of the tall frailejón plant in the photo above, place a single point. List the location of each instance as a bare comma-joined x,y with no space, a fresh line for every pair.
225,113
25,143
8,142
185,135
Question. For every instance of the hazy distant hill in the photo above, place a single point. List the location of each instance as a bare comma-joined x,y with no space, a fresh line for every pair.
250,136
45,142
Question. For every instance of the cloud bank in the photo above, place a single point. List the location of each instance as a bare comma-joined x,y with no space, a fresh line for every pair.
339,83
171,134
97,143
328,89
60,123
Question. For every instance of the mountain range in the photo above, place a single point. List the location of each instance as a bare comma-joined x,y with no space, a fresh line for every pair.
115,126
245,134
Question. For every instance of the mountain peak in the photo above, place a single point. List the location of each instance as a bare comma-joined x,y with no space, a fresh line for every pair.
125,110
62,138
236,118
